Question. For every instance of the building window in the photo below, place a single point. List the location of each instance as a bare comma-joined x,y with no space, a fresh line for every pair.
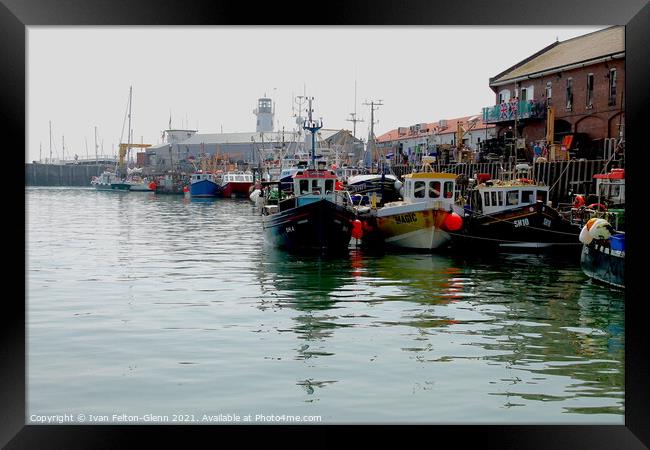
612,87
590,90
569,94
524,94
487,198
504,95
549,92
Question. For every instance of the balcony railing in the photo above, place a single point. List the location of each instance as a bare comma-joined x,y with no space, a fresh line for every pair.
526,109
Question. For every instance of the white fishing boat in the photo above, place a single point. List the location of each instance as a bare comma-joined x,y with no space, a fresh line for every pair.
109,181
421,221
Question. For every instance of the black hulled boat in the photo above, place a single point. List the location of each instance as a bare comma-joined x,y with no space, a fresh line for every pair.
514,216
315,216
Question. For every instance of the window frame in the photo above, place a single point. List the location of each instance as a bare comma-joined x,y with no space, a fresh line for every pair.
612,87
508,203
590,91
421,192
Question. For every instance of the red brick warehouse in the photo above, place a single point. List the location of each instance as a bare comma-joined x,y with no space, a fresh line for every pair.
581,78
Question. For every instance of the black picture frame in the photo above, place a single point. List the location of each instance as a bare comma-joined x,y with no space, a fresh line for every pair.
16,15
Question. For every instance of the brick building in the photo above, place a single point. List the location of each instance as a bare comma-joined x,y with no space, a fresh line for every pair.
425,138
582,79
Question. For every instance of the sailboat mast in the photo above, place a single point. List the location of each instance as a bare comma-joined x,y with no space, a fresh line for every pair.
50,142
128,148
96,156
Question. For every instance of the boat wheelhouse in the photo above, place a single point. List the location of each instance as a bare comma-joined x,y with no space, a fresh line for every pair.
315,216
386,187
109,181
236,184
607,203
610,187
514,215
318,217
204,184
422,220
495,197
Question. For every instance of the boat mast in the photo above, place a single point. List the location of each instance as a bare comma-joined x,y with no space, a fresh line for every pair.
128,148
96,157
312,126
50,142
374,105
353,115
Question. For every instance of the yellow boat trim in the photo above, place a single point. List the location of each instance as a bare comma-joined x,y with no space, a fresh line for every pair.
428,175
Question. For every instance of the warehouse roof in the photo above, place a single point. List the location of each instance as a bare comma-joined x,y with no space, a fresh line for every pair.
558,55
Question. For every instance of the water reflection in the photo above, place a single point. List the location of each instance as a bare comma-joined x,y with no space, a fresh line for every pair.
555,336
408,337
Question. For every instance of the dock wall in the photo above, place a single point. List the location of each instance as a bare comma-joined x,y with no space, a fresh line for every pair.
61,175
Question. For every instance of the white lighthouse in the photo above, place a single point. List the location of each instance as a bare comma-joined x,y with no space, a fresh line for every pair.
264,112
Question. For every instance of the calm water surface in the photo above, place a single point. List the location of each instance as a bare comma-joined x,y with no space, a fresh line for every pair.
142,304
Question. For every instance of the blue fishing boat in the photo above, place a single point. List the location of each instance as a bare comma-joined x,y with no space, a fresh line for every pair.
204,184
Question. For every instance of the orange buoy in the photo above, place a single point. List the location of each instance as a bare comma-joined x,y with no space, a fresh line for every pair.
153,186
357,230
453,222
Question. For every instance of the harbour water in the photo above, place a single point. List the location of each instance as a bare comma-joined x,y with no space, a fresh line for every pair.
140,304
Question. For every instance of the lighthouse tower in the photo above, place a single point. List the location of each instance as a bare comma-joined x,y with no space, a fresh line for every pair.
264,112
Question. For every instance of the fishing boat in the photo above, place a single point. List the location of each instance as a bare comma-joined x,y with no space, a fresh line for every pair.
291,164
171,184
424,218
236,184
603,252
122,178
109,181
204,184
315,216
513,215
139,183
385,186
607,203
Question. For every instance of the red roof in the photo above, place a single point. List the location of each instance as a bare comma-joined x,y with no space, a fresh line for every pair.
434,128
615,174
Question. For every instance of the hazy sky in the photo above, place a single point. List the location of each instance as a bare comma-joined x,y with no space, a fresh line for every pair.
211,77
